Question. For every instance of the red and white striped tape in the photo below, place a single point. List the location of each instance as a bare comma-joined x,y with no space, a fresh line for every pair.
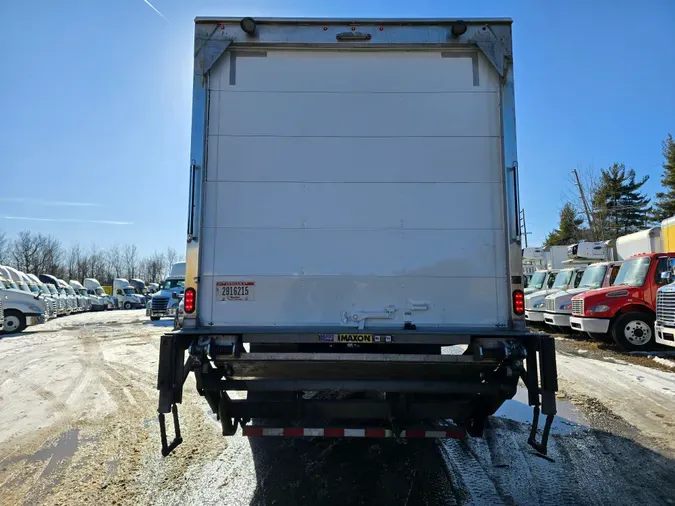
252,431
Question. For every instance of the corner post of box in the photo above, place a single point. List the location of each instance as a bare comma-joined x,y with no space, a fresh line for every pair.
210,45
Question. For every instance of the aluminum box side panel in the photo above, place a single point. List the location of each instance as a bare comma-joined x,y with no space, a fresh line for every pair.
304,197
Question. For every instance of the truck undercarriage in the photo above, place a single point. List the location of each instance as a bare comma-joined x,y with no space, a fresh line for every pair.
377,384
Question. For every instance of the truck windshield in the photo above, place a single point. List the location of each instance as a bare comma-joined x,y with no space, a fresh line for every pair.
633,272
593,276
2,285
537,281
44,289
82,291
52,289
11,284
563,279
34,288
100,291
129,291
23,286
173,283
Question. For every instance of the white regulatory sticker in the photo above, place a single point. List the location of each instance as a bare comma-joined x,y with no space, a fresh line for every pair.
235,290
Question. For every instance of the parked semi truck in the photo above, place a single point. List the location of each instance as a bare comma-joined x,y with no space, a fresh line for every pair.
19,308
165,301
626,311
343,270
126,295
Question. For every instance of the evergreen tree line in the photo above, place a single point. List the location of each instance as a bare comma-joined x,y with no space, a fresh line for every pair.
36,253
615,203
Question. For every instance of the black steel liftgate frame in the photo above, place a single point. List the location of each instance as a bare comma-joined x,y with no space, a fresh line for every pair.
528,357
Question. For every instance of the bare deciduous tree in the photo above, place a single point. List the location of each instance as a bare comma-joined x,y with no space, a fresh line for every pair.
4,249
36,253
130,260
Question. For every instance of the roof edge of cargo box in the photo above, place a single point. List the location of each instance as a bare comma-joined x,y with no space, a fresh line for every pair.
318,21
497,47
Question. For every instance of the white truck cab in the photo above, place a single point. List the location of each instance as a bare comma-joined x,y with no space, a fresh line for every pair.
50,291
541,280
126,294
558,305
20,309
96,302
55,287
79,303
94,288
25,284
165,302
535,302
53,303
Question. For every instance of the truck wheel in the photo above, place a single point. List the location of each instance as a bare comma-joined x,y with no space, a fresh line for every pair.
154,318
634,331
127,305
15,321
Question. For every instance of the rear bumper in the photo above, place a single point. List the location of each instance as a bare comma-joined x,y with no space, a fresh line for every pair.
665,335
557,319
303,378
592,325
534,316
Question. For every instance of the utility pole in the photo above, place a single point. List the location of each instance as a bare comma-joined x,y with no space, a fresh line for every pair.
523,225
583,200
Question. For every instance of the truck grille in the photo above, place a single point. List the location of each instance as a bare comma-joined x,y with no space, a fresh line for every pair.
550,305
160,303
665,306
578,307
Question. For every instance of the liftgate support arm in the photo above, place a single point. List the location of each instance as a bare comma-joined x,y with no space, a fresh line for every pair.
549,386
171,376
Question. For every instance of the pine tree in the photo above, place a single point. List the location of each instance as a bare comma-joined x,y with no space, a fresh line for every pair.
619,206
569,230
664,207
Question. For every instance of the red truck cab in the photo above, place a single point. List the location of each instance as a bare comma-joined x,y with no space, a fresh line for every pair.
627,310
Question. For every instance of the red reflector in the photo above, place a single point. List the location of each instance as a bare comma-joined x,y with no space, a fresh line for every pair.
415,433
334,433
294,432
189,297
374,432
252,431
518,302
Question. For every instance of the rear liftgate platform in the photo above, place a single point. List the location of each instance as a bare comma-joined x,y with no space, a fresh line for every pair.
386,388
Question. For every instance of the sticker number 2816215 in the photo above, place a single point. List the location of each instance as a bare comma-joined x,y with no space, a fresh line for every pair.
235,290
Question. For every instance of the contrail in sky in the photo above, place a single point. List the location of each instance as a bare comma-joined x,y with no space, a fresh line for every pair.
155,9
40,202
69,220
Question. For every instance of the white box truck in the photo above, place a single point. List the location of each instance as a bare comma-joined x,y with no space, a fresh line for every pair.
353,208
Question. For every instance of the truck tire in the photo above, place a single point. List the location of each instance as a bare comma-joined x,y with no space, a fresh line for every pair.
15,321
154,318
634,331
127,305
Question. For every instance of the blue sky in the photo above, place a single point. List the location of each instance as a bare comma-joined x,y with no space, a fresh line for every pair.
95,103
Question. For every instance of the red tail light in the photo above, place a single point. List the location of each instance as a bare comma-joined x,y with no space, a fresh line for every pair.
518,302
190,298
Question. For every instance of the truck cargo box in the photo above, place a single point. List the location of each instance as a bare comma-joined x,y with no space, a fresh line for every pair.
353,208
